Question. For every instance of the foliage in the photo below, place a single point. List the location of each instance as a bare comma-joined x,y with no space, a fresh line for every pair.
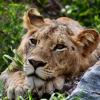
57,96
1,89
11,29
17,59
86,12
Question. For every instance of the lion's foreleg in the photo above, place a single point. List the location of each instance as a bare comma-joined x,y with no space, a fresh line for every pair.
5,75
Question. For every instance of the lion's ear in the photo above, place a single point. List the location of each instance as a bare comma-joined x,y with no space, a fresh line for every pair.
32,19
87,41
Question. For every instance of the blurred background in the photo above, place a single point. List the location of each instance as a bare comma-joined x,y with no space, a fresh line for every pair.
87,12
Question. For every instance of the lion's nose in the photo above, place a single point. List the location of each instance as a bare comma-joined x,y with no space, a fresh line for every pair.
36,63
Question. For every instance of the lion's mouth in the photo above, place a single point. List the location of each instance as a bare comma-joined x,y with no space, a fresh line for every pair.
34,74
39,77
40,72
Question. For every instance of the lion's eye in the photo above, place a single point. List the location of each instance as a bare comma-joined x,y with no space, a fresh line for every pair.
59,47
33,41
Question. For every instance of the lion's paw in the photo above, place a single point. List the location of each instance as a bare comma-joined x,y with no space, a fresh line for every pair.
14,92
16,86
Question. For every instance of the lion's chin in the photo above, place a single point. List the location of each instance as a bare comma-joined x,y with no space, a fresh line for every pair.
38,77
34,82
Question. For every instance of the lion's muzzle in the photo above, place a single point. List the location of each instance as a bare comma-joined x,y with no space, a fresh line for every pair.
36,63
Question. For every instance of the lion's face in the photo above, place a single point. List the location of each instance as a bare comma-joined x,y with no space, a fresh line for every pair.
50,50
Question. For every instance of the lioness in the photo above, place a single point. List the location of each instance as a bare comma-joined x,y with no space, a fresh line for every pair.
51,51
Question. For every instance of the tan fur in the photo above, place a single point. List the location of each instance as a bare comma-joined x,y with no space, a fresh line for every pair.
79,50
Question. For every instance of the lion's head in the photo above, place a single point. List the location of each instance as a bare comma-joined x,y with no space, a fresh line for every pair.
53,48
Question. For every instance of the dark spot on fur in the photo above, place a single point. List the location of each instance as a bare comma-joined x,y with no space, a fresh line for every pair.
73,48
